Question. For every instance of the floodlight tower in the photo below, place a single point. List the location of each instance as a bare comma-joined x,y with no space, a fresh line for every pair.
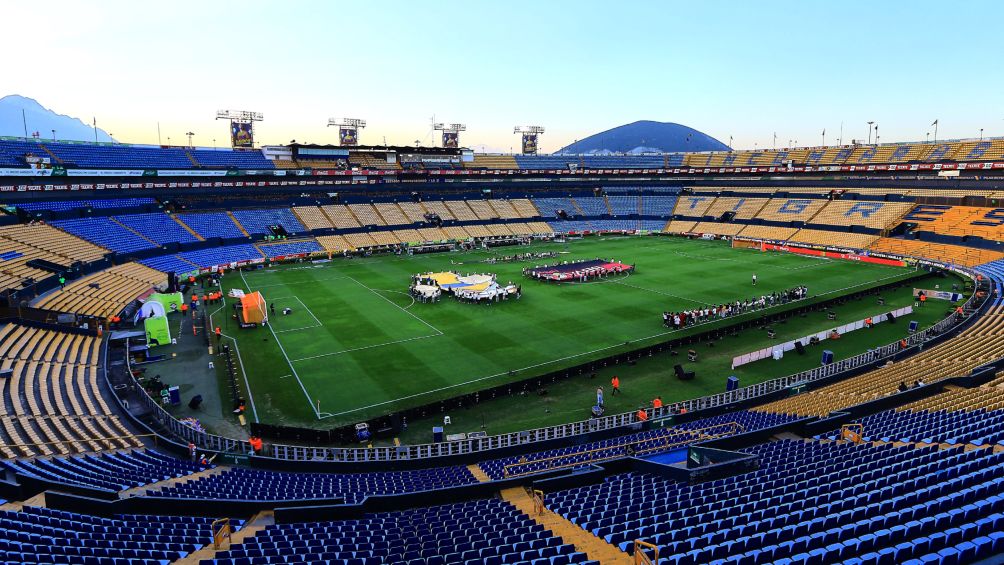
241,126
530,138
451,134
348,130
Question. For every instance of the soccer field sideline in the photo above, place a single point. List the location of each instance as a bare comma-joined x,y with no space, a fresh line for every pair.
321,415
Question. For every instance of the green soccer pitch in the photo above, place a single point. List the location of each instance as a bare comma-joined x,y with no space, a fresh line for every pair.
357,346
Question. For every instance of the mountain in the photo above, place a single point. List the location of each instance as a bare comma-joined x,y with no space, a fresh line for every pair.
645,136
42,120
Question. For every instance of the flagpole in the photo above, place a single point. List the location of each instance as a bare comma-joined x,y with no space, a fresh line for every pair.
94,122
24,121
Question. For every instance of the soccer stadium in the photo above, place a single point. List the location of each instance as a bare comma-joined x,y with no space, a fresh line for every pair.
641,346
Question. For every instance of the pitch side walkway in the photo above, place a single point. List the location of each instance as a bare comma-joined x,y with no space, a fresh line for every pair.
596,548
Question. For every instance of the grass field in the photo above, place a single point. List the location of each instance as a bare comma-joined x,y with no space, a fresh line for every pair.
356,345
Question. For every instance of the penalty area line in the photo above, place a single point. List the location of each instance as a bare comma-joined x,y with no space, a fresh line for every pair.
313,407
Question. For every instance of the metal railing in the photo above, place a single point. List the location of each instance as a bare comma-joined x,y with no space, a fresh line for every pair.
207,441
640,557
599,454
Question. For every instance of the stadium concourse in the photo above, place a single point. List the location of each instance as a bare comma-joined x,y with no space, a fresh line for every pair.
895,455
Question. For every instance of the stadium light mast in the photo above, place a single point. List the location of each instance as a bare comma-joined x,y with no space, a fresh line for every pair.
348,130
451,134
870,132
241,125
530,138
190,135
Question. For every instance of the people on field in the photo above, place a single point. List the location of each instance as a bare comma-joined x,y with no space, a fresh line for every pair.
642,414
657,402
599,396
615,384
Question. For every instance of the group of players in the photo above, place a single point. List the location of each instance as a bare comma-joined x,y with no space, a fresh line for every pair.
684,318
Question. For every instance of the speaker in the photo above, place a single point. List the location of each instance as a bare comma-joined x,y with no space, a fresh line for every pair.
800,347
892,318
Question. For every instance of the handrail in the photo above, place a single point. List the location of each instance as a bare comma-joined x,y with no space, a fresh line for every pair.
222,533
693,435
853,433
640,557
538,501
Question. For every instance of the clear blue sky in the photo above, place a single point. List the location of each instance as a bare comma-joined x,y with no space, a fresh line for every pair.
745,69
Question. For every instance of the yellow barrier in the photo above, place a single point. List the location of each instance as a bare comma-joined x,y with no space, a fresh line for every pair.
852,432
221,531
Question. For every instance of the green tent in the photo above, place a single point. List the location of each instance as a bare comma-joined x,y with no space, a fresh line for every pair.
158,332
171,302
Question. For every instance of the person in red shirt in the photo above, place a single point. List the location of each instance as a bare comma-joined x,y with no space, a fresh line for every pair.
657,403
642,415
616,384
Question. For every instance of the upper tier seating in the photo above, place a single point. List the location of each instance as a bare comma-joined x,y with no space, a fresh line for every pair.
693,205
107,233
658,205
43,535
392,215
809,502
623,161
742,207
212,224
490,532
460,210
52,402
791,209
157,226
525,208
959,221
238,158
312,217
879,215
105,293
549,207
340,215
258,221
94,204
369,161
240,483
547,162
439,208
591,206
631,205
366,214
492,162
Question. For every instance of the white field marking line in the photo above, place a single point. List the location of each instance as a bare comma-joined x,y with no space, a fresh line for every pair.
285,376
310,400
391,302
312,281
365,347
297,298
479,379
240,361
659,292
399,292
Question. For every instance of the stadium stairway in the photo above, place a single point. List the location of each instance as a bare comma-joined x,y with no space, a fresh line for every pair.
479,473
116,220
256,524
187,228
51,154
173,481
594,547
191,159
238,224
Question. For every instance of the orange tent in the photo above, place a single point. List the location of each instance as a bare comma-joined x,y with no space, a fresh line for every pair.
254,308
